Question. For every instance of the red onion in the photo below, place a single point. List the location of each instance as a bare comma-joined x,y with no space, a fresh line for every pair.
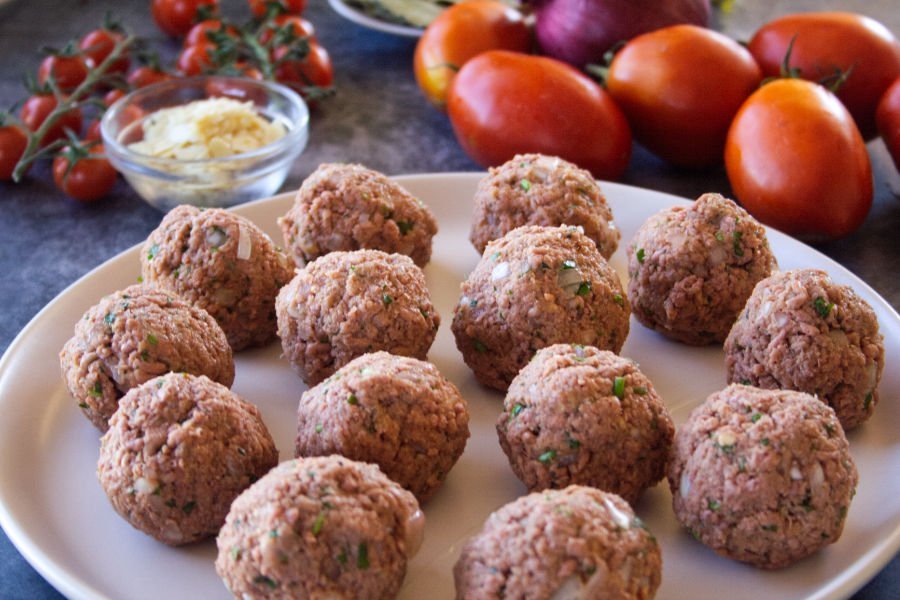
581,31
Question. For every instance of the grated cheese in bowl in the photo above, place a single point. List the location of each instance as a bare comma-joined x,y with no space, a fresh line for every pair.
203,129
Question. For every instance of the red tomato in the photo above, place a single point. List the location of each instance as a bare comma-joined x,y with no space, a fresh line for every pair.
314,70
681,111
144,76
797,162
826,43
195,60
888,118
112,95
504,103
238,88
298,26
260,7
12,146
88,179
199,32
460,33
176,17
93,131
67,71
35,111
96,45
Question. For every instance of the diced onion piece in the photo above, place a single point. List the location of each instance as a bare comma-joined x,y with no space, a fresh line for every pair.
245,246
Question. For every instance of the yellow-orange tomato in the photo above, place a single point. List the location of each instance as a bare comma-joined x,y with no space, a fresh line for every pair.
461,32
797,162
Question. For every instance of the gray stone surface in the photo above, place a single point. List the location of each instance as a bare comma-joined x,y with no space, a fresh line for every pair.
378,118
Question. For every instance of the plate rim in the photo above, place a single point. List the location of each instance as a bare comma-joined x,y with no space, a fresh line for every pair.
863,568
360,18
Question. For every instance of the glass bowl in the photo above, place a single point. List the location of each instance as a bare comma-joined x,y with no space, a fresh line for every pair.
212,182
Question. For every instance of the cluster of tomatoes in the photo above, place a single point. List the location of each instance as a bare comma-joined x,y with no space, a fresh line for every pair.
793,150
61,117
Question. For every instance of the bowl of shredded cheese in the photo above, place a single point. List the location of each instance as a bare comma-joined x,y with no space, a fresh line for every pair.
208,141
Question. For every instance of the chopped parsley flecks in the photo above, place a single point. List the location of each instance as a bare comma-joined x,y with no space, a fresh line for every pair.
823,307
479,346
318,524
868,401
525,185
516,410
547,456
189,507
639,390
152,339
352,400
152,252
640,255
619,387
387,299
362,556
738,249
713,504
405,227
618,299
97,390
755,417
720,236
568,264
318,428
109,318
266,581
584,289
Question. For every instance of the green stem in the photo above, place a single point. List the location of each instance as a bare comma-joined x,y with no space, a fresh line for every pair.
64,104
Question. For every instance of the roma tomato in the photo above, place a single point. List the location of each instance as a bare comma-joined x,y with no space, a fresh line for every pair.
12,146
461,32
96,45
827,43
68,71
797,162
199,32
291,7
89,179
888,118
296,26
680,87
35,111
176,17
505,103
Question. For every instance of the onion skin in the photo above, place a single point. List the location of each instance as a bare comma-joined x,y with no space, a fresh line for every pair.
580,32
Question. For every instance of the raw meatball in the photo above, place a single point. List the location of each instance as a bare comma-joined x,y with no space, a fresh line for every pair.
533,189
350,207
578,542
802,331
178,451
223,263
397,412
346,304
324,527
534,287
692,268
762,476
134,335
576,414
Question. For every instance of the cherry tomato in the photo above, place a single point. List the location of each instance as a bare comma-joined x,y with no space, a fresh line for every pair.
314,70
112,95
12,146
505,103
199,32
299,26
176,17
96,45
888,118
460,33
38,107
144,76
238,88
827,43
67,71
89,178
93,131
663,82
797,162
292,7
195,60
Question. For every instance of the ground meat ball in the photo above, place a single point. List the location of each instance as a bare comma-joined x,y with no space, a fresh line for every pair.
578,542
178,451
762,476
397,412
350,207
134,335
692,268
802,331
576,414
346,304
533,189
324,527
223,263
534,287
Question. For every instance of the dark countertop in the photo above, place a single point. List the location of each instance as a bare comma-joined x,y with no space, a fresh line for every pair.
377,118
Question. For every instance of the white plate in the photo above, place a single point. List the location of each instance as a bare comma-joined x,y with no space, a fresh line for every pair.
55,512
360,18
